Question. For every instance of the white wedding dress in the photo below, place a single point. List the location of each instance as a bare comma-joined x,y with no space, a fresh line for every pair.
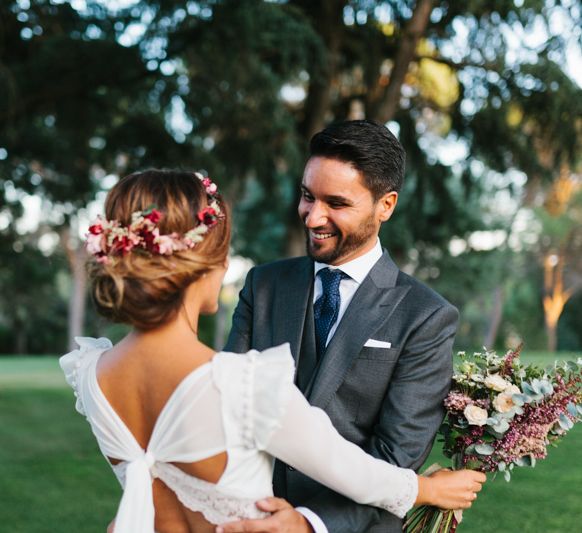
244,405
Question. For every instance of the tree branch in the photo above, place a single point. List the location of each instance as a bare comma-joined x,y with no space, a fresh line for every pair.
415,28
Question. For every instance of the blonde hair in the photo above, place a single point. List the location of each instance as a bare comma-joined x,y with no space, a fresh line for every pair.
147,290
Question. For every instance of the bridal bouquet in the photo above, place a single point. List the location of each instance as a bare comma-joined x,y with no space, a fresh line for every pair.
502,414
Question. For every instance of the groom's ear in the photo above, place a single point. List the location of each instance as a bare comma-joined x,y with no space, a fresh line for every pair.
386,205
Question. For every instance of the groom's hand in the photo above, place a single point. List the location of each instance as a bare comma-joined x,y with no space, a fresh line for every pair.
284,519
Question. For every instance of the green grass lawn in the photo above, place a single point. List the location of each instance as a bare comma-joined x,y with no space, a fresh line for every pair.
53,478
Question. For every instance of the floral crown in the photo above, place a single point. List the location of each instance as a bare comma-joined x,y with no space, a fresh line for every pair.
110,238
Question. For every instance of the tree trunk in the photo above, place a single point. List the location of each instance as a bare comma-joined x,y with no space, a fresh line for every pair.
78,297
555,297
495,319
21,337
412,32
551,332
76,257
318,102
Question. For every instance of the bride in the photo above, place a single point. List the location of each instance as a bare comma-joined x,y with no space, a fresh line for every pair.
190,433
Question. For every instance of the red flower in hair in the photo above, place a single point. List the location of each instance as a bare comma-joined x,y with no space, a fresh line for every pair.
121,244
154,216
208,216
96,229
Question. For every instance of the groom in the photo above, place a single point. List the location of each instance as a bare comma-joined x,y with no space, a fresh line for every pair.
372,345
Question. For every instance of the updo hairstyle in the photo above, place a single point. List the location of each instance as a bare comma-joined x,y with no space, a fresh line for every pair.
146,290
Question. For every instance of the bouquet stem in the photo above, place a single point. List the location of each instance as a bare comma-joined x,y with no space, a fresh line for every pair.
426,519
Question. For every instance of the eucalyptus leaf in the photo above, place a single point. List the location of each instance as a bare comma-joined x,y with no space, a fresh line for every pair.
507,475
546,387
536,386
565,422
470,449
520,399
523,461
484,449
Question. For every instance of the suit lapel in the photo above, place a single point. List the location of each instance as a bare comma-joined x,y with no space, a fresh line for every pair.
371,306
293,293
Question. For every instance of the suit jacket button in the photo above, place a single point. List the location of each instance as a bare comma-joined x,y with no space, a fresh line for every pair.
290,468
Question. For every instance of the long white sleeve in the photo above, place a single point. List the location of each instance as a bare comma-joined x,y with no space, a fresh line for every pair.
307,441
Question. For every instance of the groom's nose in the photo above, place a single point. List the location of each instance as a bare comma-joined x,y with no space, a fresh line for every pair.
316,215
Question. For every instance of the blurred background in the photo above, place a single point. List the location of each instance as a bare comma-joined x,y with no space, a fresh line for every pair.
485,96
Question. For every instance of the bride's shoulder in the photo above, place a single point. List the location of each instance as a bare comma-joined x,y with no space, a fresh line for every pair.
75,363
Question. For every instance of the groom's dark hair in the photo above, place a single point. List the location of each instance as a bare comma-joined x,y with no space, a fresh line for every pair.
369,147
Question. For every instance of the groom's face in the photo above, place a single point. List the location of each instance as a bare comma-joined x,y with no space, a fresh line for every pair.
339,213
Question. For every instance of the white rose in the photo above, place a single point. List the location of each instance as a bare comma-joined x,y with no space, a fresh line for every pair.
496,382
512,389
503,402
476,416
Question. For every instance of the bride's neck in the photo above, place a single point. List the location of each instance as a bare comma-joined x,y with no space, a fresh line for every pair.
180,331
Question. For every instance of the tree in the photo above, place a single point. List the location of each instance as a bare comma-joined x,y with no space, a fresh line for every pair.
561,250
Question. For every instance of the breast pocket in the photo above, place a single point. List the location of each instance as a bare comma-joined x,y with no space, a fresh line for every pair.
389,355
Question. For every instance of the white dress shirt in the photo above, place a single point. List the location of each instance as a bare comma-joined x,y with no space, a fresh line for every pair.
357,270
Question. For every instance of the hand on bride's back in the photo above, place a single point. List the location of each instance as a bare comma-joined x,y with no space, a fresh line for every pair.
450,490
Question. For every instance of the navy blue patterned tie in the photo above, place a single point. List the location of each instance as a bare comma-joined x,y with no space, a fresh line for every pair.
326,308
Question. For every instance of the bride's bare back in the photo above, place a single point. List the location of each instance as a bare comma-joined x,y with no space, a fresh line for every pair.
138,380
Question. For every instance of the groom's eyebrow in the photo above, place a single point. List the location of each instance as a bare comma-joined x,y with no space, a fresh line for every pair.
331,198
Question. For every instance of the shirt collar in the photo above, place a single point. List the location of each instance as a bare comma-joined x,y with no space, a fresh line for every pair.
357,268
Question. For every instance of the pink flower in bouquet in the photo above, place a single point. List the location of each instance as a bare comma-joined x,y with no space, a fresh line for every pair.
457,401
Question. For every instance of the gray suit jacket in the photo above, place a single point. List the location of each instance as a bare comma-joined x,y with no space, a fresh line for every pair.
386,400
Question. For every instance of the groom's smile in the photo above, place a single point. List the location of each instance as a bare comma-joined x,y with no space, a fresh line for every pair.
339,213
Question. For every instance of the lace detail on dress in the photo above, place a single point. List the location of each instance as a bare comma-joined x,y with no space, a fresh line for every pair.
407,493
199,495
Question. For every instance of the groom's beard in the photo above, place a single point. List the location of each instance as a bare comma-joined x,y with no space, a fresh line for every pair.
345,244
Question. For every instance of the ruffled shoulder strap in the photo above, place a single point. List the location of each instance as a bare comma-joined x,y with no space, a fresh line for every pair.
255,390
74,363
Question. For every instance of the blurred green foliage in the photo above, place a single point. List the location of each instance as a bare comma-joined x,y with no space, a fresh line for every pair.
238,88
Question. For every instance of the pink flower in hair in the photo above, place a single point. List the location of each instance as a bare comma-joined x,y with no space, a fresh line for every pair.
165,244
95,241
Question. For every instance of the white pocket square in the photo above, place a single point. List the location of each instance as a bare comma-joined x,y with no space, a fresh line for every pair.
373,343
